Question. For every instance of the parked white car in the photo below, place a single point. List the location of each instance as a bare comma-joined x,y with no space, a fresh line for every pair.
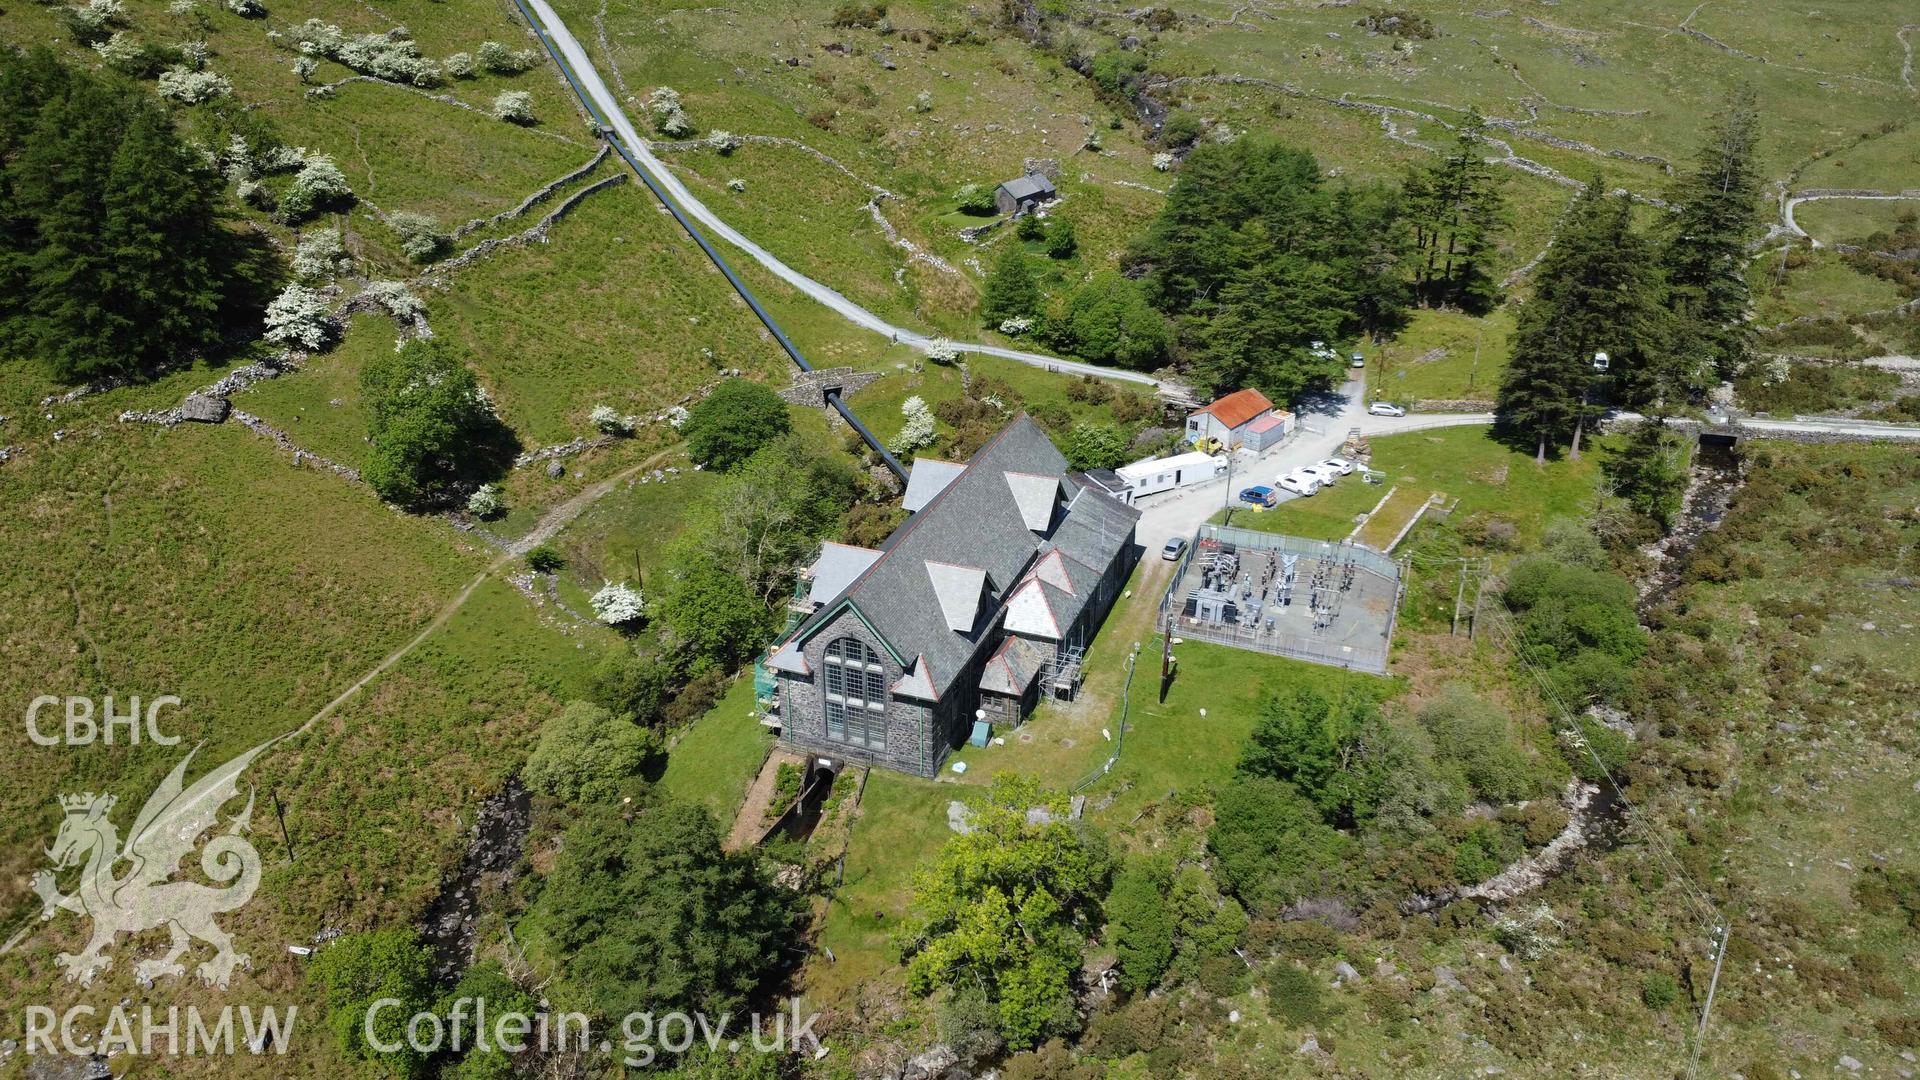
1321,473
1338,464
1385,408
1300,483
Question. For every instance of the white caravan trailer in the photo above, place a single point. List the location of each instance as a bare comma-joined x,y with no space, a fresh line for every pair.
1155,475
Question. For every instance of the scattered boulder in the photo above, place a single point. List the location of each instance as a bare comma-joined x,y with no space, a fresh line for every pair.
556,470
932,1065
204,408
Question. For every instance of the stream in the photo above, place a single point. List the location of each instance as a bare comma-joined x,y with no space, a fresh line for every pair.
1597,816
1714,481
494,850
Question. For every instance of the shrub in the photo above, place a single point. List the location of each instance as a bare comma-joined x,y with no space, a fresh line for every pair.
485,502
1183,128
320,254
715,615
1140,923
1478,737
460,65
1530,934
319,185
428,420
392,56
617,605
545,559
943,351
853,14
88,23
247,9
354,971
1108,321
420,236
1016,326
1030,227
645,910
1163,161
514,106
607,420
723,142
1659,990
669,117
923,102
1095,446
917,432
1011,291
1482,853
1062,243
127,55
394,298
726,427
587,754
1272,846
1294,996
969,1023
1899,1030
500,60
976,199
298,316
191,87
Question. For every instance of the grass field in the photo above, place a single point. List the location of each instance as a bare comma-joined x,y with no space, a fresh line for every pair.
715,759
1442,356
1487,476
1851,221
1823,286
198,562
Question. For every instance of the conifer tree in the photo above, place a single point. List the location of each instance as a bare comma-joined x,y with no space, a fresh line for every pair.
1596,291
113,255
1457,212
1011,292
1705,252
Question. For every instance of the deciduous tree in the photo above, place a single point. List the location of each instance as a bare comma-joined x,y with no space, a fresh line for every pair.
648,913
738,418
1007,908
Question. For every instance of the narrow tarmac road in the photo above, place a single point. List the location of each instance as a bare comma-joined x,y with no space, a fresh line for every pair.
555,30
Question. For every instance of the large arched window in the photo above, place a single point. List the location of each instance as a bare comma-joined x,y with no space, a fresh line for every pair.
856,694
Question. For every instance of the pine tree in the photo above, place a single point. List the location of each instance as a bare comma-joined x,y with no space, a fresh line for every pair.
1011,292
60,177
113,257
1705,254
1457,211
165,236
1597,290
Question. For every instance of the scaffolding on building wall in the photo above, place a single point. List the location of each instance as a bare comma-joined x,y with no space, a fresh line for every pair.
1060,678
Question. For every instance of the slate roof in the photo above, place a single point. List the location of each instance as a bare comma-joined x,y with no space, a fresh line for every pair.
977,524
1030,186
1013,668
835,569
1238,407
927,478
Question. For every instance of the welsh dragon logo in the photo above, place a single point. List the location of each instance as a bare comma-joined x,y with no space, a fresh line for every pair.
127,889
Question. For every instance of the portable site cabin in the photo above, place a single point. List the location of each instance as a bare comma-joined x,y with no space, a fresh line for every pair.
1155,475
1267,429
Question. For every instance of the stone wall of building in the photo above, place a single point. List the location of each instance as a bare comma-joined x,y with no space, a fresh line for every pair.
803,724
